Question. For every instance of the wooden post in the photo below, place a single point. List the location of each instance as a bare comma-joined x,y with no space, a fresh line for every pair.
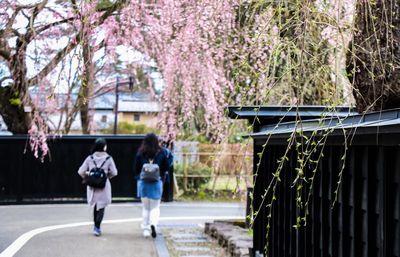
185,173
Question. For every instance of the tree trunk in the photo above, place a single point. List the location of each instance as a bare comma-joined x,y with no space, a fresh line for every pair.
373,64
84,108
87,85
14,115
70,117
13,98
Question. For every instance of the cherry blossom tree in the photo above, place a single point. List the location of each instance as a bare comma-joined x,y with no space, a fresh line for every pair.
210,54
184,37
33,29
187,39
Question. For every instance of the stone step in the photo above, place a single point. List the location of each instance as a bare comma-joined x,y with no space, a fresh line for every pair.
188,236
191,241
192,249
234,238
196,256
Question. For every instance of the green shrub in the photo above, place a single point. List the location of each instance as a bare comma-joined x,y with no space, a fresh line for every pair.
201,175
130,128
201,195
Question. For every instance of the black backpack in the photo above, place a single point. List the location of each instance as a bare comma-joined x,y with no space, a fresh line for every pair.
97,178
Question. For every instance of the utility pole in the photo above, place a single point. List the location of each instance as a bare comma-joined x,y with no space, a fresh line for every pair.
116,107
131,84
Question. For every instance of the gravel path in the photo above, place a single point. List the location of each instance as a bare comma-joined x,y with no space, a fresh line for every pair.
190,241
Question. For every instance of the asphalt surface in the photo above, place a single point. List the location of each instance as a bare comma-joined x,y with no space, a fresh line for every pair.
65,230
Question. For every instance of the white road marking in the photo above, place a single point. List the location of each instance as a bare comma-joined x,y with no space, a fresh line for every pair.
131,204
23,239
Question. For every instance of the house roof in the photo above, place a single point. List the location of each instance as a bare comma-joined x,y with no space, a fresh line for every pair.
135,106
274,114
387,121
106,101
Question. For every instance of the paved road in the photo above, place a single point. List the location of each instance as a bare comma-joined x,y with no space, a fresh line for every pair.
64,230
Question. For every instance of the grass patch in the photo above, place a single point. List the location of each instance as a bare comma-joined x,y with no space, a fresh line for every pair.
210,196
227,183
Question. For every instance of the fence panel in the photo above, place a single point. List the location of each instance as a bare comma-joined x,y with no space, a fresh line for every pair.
364,221
212,167
24,177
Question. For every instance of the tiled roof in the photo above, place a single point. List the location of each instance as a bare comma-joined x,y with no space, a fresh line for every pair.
273,114
135,106
106,101
386,121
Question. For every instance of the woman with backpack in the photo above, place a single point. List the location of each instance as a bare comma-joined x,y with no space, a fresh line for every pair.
151,165
98,163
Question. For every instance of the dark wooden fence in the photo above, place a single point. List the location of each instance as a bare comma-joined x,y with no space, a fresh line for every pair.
365,219
23,178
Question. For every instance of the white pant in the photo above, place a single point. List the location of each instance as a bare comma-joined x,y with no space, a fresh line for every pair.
150,212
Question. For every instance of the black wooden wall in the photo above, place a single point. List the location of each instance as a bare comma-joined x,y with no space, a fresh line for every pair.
24,177
364,222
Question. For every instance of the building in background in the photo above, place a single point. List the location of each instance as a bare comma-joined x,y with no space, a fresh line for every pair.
133,108
142,109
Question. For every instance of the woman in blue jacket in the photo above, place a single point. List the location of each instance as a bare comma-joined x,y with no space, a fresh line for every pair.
150,192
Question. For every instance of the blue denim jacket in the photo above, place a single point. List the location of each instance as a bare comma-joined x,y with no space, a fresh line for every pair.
151,190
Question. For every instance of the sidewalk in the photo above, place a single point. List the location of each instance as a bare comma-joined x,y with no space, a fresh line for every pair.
118,240
66,230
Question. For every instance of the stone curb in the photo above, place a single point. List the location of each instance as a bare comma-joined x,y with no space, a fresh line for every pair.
161,246
234,238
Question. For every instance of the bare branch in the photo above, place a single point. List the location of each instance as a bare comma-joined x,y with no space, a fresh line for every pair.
72,44
24,14
30,29
36,11
54,62
28,6
4,79
5,50
55,12
109,11
50,25
10,22
74,6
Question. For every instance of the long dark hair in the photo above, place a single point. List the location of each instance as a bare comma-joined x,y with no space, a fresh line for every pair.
150,146
99,145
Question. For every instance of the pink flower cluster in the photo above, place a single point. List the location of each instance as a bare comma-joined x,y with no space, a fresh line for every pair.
197,45
186,38
38,136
